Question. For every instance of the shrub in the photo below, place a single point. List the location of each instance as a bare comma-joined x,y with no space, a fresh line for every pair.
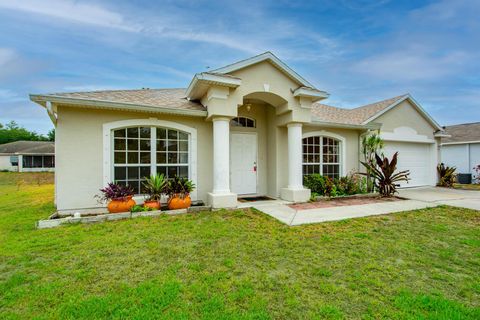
446,175
351,184
114,191
324,186
385,176
476,177
315,182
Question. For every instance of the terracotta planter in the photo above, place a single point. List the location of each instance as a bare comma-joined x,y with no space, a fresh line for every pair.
155,205
177,202
116,206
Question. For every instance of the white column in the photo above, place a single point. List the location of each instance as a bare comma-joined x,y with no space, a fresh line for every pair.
295,156
295,191
221,155
221,197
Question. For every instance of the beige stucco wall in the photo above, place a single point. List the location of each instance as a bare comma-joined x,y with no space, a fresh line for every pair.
405,115
79,158
265,82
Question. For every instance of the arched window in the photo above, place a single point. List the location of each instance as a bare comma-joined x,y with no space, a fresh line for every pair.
141,151
321,154
243,122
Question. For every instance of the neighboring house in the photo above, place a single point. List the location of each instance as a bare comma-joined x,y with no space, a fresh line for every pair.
27,156
254,127
462,148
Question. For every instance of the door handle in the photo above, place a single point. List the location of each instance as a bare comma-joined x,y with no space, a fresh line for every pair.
255,167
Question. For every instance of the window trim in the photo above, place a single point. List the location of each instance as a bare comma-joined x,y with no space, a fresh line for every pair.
109,127
343,147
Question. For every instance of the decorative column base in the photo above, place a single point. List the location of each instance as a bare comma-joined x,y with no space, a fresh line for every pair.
222,200
295,195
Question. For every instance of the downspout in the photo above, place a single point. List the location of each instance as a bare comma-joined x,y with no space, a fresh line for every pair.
53,118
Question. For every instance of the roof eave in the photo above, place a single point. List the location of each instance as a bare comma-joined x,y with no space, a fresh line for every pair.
369,126
312,93
200,82
459,142
101,104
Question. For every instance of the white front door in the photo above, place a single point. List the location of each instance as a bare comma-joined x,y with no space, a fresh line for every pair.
243,163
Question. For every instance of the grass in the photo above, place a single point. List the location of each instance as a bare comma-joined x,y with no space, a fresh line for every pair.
236,265
467,186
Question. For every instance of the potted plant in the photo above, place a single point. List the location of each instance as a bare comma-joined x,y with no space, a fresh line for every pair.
154,188
178,191
119,197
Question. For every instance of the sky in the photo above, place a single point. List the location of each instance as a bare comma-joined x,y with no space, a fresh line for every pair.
360,51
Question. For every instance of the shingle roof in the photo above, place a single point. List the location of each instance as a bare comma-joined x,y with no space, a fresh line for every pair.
463,132
159,98
175,99
326,113
28,147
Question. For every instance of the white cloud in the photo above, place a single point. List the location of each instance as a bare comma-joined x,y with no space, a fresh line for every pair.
6,56
7,95
71,10
412,64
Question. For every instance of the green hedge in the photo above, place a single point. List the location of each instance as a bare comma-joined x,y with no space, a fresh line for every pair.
326,186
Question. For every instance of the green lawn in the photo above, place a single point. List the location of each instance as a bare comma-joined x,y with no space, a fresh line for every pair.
467,186
236,264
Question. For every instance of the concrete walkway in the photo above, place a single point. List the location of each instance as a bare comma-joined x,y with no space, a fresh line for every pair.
469,199
293,217
417,198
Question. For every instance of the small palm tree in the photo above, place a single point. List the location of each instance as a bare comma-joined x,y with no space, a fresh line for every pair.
385,178
154,187
371,145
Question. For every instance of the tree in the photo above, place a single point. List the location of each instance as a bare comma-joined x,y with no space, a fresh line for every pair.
51,135
12,131
372,144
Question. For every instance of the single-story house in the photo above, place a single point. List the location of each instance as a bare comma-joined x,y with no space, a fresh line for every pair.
462,148
27,156
254,127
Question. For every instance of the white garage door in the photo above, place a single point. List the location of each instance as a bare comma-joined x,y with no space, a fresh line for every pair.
414,157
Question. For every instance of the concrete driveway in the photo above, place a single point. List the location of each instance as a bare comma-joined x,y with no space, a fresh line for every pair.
453,197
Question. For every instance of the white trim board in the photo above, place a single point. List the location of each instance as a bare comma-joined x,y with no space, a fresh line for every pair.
107,145
460,142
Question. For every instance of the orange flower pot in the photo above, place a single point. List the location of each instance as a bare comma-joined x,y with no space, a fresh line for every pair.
177,202
117,206
155,205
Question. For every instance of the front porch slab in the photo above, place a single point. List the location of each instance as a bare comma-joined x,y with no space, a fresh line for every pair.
295,195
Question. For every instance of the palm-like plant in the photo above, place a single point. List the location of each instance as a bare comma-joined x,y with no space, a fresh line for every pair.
372,144
385,178
154,187
446,175
179,187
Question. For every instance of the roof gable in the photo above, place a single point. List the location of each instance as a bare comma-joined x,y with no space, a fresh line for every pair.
366,114
266,56
385,108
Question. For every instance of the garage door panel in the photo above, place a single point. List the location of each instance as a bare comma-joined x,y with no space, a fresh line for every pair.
415,157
